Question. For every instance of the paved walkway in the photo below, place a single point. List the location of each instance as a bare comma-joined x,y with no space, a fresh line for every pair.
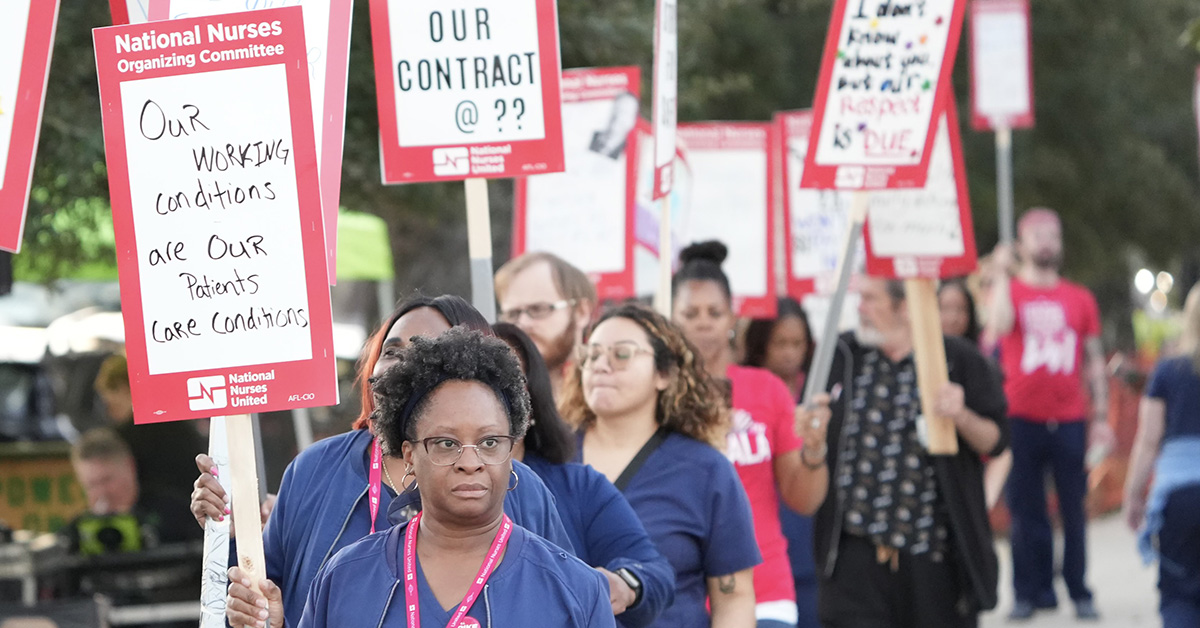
1125,590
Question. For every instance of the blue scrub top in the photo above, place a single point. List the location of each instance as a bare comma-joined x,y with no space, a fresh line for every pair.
692,503
1175,382
536,584
606,532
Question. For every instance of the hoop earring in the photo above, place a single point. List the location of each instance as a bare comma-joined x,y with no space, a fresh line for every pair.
411,487
517,479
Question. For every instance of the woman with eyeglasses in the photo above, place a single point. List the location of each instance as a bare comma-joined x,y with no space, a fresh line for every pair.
604,529
772,461
649,420
461,561
344,487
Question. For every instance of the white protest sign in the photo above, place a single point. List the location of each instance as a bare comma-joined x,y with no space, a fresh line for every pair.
731,200
212,168
886,65
585,214
666,90
467,88
1001,65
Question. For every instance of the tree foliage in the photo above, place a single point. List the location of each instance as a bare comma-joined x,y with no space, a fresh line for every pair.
1114,149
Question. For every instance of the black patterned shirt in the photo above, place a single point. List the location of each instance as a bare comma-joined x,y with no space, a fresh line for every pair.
885,477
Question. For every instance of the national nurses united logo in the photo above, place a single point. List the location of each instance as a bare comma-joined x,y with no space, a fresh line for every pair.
207,393
448,162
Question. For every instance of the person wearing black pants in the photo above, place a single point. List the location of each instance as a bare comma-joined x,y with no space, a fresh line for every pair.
1059,447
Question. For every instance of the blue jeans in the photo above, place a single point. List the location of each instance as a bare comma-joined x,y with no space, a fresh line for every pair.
1179,565
1038,449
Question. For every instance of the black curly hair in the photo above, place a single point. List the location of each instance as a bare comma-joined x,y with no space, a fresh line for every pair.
702,261
459,354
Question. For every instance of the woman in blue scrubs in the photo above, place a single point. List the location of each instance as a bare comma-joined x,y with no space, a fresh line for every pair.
461,562
651,420
324,501
604,529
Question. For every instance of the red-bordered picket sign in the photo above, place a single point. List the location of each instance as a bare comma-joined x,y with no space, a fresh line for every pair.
26,41
885,66
327,37
586,215
732,199
926,233
814,220
666,92
220,252
1001,65
467,90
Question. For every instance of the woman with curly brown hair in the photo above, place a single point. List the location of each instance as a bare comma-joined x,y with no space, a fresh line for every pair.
650,419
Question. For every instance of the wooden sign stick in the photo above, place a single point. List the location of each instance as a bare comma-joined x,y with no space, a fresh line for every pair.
823,358
479,247
666,257
247,518
929,353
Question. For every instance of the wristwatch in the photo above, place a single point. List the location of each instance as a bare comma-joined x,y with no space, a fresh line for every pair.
633,583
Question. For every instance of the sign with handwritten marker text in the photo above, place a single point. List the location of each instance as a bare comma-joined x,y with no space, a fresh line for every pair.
26,40
666,93
586,214
815,221
327,37
213,178
732,200
467,88
927,232
1001,65
885,66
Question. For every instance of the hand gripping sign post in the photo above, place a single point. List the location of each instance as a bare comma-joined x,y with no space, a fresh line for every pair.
586,214
666,88
885,70
732,169
1002,87
919,236
327,38
212,172
468,90
26,39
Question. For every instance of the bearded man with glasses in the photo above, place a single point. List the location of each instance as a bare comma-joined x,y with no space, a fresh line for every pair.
551,301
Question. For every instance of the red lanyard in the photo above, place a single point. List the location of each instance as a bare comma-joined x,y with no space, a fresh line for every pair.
374,482
412,600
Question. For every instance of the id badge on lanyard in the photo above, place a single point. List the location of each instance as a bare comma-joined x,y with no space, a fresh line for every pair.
412,602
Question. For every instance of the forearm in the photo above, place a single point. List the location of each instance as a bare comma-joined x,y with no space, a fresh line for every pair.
803,486
1001,316
732,598
980,433
1098,386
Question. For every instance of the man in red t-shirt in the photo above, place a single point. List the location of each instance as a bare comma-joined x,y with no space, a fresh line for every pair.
1048,331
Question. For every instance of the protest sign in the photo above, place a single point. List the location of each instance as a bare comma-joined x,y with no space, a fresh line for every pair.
1001,65
213,179
467,89
327,39
666,89
585,215
649,215
731,199
885,67
26,40
814,220
813,228
925,232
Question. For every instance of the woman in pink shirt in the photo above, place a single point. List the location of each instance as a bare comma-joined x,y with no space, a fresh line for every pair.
763,443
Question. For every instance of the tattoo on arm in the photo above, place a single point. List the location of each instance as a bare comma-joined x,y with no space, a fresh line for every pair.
727,584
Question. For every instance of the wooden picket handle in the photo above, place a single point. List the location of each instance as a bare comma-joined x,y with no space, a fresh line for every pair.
479,247
247,517
929,353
